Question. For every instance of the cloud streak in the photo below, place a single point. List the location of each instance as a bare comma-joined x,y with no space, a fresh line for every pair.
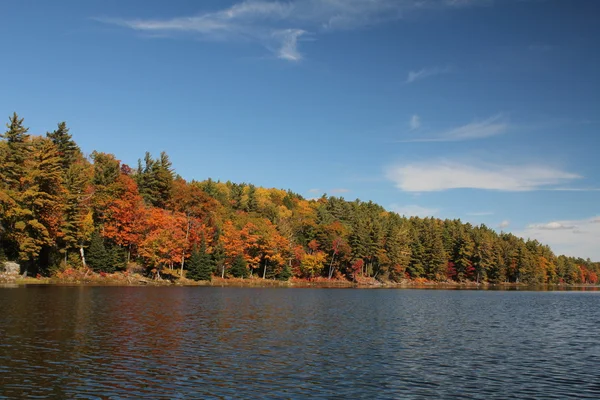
415,122
423,73
552,226
436,176
277,25
493,126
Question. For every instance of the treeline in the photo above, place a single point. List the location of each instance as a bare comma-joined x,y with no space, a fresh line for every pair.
60,210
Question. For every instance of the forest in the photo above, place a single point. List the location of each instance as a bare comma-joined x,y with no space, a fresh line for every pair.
62,211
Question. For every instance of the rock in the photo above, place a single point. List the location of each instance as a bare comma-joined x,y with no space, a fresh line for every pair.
12,268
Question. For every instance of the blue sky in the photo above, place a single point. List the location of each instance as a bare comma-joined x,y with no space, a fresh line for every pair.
482,110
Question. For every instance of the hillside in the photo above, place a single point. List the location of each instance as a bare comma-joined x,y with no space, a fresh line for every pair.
60,210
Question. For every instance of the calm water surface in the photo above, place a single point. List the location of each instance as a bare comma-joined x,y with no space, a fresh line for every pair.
166,342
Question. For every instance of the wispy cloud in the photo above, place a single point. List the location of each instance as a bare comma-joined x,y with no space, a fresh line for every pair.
577,238
314,191
423,73
504,224
277,25
489,127
413,210
288,39
480,213
444,175
415,122
551,226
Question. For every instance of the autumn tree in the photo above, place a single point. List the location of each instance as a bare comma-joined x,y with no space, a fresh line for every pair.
199,210
164,239
125,215
77,222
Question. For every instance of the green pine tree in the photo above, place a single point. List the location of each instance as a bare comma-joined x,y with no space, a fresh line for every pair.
155,180
239,268
200,266
18,148
218,259
67,148
98,258
285,274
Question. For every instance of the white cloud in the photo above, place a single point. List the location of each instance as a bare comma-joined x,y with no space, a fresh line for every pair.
492,126
551,226
577,238
504,224
443,175
413,210
415,122
263,21
314,191
288,40
423,73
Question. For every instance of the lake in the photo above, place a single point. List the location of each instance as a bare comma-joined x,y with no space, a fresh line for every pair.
212,342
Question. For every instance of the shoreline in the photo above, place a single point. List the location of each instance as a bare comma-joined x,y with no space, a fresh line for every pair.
134,280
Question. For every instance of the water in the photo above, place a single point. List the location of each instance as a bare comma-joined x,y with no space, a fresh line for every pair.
204,342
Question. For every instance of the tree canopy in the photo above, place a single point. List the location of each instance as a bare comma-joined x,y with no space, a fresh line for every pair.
61,209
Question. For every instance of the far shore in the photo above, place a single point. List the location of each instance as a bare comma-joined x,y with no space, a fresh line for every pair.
125,279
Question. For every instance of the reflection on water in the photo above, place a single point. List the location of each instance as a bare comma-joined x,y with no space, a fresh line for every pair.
203,342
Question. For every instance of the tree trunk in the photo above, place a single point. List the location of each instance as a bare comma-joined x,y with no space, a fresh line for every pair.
187,233
223,271
265,270
82,256
330,266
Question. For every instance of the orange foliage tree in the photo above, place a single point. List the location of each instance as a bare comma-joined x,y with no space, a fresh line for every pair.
126,215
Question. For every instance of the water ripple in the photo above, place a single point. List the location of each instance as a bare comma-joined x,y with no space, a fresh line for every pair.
103,342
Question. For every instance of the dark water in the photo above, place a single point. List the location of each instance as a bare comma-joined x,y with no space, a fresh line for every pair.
162,342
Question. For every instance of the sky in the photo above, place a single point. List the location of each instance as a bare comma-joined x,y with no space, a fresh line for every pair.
483,110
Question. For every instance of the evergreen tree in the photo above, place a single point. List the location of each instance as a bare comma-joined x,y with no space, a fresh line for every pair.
218,258
98,258
117,257
155,180
236,194
18,149
68,150
397,249
252,203
436,261
164,179
285,274
200,266
239,267
463,254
